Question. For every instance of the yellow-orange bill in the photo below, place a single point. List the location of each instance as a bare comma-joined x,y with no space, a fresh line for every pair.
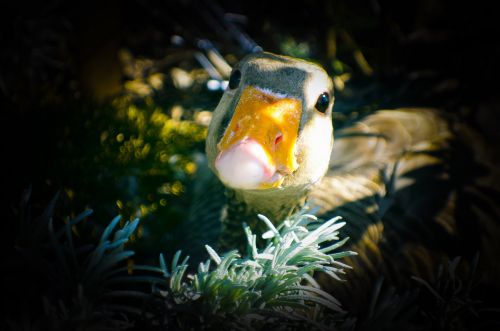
270,120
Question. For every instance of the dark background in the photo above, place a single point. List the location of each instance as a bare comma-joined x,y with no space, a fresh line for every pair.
93,104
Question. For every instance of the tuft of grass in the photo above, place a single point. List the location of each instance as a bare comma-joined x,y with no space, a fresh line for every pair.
268,286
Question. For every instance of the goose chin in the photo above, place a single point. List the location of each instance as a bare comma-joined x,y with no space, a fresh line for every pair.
247,166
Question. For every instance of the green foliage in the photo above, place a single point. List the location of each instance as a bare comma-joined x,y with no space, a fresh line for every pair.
136,152
73,285
269,286
69,284
95,287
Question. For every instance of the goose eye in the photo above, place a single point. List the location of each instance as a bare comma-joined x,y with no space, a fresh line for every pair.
323,102
234,79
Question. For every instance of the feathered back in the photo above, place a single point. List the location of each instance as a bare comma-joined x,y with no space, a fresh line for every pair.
395,177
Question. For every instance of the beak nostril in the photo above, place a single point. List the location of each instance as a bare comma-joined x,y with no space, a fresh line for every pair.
278,139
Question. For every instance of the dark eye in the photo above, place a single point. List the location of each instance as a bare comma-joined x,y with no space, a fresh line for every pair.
234,79
323,102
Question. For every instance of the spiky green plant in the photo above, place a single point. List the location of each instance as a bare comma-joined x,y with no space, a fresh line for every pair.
68,285
267,287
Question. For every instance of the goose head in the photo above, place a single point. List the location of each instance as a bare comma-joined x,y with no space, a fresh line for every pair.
272,132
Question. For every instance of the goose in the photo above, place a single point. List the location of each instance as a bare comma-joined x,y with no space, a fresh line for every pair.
391,175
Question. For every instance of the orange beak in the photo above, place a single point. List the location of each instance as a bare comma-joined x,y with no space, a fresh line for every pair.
258,146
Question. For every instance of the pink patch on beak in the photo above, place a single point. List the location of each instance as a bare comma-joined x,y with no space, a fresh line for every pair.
246,165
